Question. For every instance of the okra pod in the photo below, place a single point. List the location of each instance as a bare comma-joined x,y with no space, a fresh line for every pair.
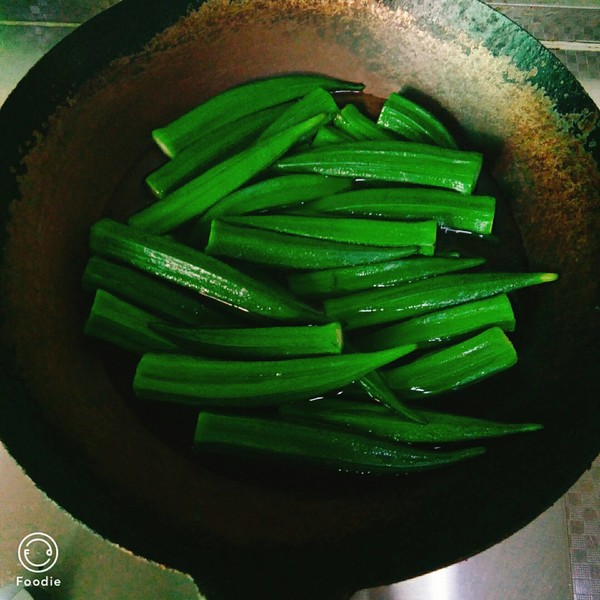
257,342
444,325
371,232
233,383
285,251
455,366
212,147
284,190
316,102
329,135
396,161
358,126
317,446
114,320
197,196
416,298
340,281
192,269
377,420
413,122
449,208
376,387
150,293
239,101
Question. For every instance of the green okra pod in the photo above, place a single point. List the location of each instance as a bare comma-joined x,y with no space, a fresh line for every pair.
197,196
151,293
358,126
416,298
234,383
239,101
322,446
256,342
352,231
115,320
317,101
329,135
377,420
343,280
285,251
444,325
274,192
192,269
449,208
455,366
212,147
395,161
413,122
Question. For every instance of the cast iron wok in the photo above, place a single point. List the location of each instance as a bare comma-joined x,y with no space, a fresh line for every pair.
75,147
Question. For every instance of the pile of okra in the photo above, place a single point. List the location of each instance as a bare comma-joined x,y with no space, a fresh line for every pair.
285,280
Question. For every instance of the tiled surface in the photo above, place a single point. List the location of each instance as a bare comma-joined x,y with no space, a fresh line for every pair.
571,28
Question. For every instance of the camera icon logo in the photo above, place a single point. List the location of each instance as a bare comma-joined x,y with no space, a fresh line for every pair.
38,552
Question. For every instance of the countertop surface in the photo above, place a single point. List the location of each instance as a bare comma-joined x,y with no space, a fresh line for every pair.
556,557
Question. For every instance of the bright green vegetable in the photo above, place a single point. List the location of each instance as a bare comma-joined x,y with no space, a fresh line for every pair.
455,366
377,387
444,325
273,192
285,251
329,135
413,122
116,321
335,282
358,126
416,298
378,421
351,231
449,208
404,162
317,101
152,294
239,101
319,446
192,269
212,147
228,384
257,342
197,196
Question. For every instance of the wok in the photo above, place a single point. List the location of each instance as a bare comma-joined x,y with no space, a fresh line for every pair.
76,145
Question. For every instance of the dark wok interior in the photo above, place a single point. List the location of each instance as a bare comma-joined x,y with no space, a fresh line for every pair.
79,151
